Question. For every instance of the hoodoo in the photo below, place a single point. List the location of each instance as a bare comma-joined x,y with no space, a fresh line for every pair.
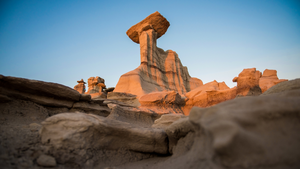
159,70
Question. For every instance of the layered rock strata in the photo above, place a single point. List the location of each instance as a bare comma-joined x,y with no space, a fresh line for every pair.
43,93
159,70
165,102
55,97
126,98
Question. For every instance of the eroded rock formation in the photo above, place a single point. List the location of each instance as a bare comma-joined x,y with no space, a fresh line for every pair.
165,102
43,93
96,86
269,79
154,21
207,95
248,82
159,70
50,125
80,87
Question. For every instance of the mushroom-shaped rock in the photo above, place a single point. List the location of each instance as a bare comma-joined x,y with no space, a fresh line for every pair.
81,81
80,87
154,21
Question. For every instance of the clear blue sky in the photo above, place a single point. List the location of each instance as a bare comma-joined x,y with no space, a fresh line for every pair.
64,41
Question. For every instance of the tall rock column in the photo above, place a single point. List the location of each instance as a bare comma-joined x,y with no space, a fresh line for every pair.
147,45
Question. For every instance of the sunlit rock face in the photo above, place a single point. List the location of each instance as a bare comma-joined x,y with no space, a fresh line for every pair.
80,87
159,70
154,21
208,95
269,79
96,86
248,82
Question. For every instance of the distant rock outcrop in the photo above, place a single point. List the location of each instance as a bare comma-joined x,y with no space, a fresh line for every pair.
96,86
248,82
80,87
207,95
166,102
269,79
159,70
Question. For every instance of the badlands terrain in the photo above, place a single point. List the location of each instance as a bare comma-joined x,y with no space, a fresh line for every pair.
157,116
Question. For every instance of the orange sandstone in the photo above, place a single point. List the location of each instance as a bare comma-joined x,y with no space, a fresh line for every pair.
248,82
154,21
269,79
207,95
159,70
80,87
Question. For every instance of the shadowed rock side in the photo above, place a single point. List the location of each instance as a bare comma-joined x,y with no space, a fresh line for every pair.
84,131
159,70
43,93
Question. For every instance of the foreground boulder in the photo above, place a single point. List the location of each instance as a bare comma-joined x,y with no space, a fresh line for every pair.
159,70
166,120
140,117
72,131
246,132
126,98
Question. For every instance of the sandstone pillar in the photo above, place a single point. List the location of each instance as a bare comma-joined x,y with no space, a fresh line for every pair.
147,45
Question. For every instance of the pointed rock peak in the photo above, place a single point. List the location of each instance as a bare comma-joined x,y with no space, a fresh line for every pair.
154,21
